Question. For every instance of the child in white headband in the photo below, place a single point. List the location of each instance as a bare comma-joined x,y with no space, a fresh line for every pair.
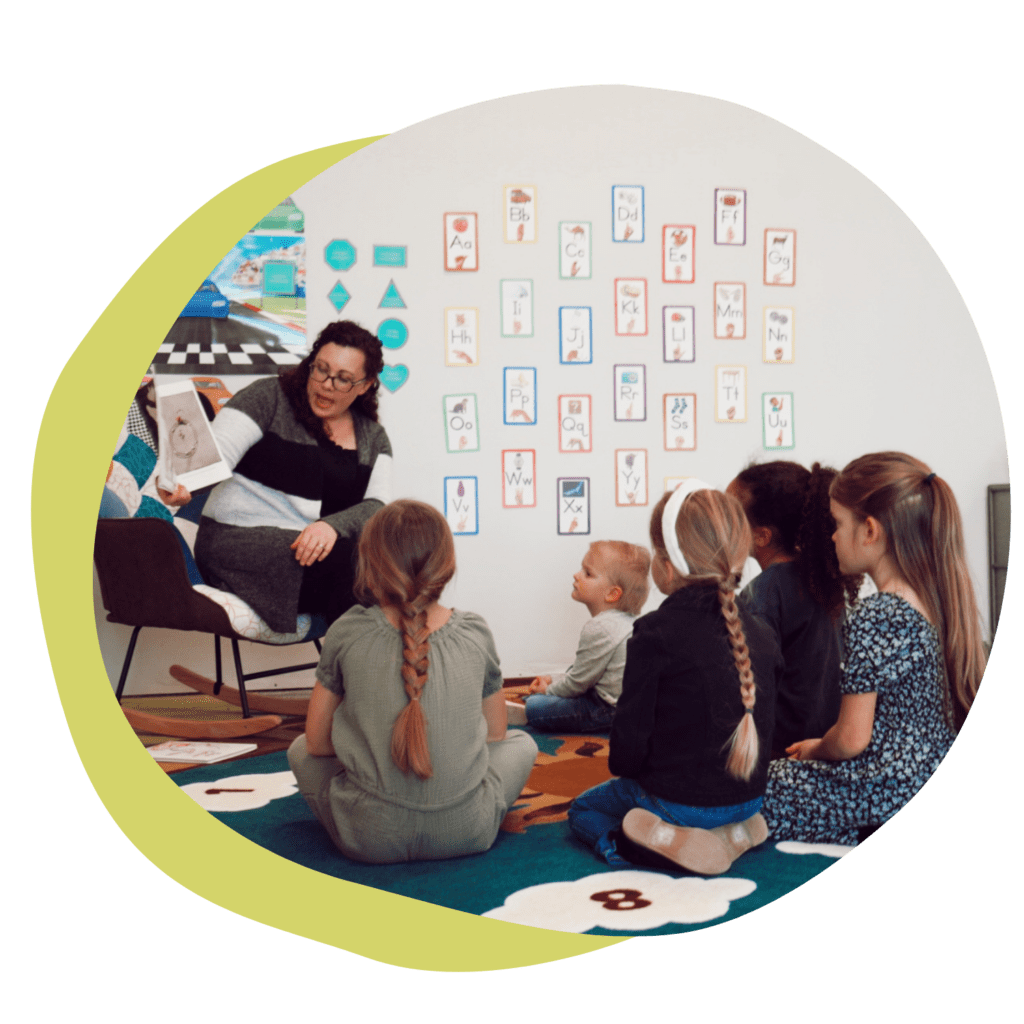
692,728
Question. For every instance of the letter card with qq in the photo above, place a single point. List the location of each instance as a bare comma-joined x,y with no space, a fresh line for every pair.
460,242
520,213
630,476
677,249
517,308
461,430
730,309
461,504
518,488
678,341
681,422
461,331
574,249
520,395
627,213
574,424
730,394
630,305
730,216
630,391
573,504
779,256
575,330
777,416
779,334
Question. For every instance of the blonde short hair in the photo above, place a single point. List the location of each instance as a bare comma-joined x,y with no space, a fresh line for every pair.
627,566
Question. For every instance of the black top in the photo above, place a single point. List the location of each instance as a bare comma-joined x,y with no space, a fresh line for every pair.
681,701
807,704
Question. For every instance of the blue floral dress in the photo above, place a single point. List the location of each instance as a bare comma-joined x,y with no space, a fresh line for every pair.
890,649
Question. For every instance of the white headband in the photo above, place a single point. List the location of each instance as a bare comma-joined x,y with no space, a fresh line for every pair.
669,516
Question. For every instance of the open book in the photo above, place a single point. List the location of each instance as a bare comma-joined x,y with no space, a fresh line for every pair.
188,449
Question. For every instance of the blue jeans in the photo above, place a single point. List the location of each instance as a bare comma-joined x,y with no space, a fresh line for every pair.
598,811
585,713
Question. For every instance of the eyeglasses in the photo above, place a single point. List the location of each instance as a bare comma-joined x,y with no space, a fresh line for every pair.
320,374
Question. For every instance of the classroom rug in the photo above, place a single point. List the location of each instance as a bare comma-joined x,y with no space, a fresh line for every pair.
536,873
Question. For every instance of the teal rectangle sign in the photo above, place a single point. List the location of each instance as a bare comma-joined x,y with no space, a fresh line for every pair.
389,255
278,278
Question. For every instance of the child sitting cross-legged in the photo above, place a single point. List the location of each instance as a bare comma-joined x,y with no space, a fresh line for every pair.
612,583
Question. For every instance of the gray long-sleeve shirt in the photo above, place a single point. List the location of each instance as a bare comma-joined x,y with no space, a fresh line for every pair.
600,658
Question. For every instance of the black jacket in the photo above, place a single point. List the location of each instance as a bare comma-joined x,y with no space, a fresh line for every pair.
681,701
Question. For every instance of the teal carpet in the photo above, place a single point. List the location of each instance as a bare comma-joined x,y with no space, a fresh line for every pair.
545,852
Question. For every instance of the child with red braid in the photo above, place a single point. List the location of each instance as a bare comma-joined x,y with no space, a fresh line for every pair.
692,728
405,754
800,591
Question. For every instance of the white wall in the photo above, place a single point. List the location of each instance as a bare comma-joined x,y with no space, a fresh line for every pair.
886,354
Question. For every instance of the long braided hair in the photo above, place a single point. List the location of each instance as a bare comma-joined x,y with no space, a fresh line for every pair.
406,556
794,504
925,539
714,537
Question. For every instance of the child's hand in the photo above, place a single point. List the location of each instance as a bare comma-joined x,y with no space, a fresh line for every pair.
804,750
540,684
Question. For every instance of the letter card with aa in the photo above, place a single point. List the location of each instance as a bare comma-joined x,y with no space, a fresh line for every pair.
630,476
730,394
573,504
777,414
677,249
779,333
517,478
574,423
517,308
460,242
461,504
677,332
520,213
461,429
630,305
575,330
574,249
520,395
681,422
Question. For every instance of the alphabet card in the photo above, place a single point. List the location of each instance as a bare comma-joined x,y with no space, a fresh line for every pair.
778,334
461,504
730,309
573,504
730,394
681,422
780,256
574,422
630,391
627,213
678,343
575,330
517,309
630,305
460,423
461,330
677,254
730,216
520,213
460,243
520,395
777,416
630,476
517,478
574,248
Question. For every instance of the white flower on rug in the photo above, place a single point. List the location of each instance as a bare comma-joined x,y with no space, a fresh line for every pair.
825,849
633,901
241,792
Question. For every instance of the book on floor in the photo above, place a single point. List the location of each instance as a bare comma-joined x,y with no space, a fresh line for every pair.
198,751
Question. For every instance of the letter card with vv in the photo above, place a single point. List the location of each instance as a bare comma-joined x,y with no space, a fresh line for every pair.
461,504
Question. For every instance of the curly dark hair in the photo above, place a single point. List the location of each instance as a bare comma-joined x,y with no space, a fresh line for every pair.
347,334
794,504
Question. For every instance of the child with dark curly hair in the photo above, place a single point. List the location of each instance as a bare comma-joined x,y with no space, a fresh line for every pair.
800,591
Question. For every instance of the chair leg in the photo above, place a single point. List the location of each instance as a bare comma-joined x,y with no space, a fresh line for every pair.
127,663
241,677
316,643
216,658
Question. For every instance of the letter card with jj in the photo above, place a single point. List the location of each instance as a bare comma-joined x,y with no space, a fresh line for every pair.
779,333
730,216
630,305
627,213
520,213
574,249
461,431
517,308
779,256
518,488
575,331
573,504
681,422
677,332
730,394
461,504
777,416
460,242
630,391
574,424
677,251
730,309
520,395
630,476
461,331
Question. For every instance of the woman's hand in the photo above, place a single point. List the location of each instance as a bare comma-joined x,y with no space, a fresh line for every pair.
177,498
804,750
314,543
540,684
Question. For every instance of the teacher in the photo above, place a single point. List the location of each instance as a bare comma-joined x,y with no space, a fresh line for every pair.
311,465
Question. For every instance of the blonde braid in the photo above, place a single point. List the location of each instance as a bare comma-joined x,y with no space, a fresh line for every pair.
409,748
743,744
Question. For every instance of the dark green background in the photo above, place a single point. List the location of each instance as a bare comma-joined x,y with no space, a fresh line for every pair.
122,119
